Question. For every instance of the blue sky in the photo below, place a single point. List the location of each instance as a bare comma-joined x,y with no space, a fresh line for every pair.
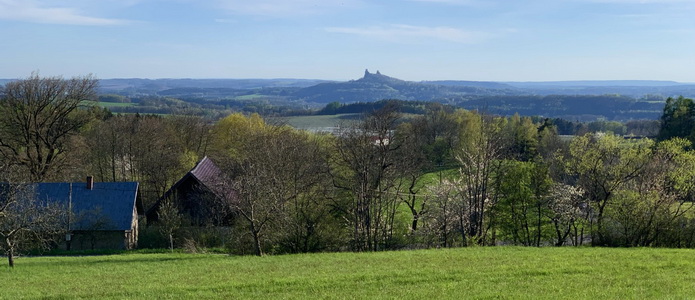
491,40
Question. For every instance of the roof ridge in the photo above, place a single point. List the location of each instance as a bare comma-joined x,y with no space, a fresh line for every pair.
198,164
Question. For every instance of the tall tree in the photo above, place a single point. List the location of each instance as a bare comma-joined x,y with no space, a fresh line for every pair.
523,193
479,156
138,148
678,119
364,167
277,174
38,115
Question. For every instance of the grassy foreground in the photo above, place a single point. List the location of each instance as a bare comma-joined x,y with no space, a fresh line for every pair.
500,272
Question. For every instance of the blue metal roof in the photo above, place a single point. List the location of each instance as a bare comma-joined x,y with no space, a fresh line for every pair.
111,203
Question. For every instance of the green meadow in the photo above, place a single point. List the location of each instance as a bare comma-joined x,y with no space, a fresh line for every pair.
109,104
464,273
321,121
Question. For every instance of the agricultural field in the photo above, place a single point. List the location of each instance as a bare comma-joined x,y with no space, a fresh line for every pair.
464,273
321,122
328,122
110,104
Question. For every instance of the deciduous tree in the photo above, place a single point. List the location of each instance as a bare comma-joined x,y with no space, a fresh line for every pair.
26,221
364,167
38,115
604,164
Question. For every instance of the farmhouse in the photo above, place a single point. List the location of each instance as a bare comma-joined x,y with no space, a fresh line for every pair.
104,214
199,195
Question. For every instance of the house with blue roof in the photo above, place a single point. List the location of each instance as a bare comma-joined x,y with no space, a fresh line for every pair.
103,215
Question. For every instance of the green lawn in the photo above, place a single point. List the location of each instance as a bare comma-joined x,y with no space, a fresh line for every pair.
468,273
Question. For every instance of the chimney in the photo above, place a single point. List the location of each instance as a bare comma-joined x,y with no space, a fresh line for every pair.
90,182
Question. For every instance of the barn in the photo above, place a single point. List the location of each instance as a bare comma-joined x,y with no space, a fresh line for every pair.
199,196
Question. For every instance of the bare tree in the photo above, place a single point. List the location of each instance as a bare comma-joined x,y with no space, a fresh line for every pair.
364,166
38,115
26,221
137,148
274,176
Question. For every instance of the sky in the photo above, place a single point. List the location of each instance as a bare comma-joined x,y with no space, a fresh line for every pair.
479,40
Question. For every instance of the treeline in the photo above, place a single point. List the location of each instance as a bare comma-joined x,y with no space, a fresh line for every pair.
197,105
640,128
447,178
571,107
410,107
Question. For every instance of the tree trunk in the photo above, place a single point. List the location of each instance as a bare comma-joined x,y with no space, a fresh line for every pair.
10,257
539,225
257,244
599,241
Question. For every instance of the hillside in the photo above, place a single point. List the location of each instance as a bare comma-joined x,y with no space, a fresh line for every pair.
154,86
376,86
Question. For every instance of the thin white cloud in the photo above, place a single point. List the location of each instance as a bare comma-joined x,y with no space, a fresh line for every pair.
284,8
38,12
410,34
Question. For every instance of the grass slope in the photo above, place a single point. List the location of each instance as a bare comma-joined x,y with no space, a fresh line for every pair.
469,273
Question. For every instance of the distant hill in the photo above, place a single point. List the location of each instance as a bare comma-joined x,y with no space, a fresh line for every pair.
376,86
480,84
632,88
152,86
596,83
574,100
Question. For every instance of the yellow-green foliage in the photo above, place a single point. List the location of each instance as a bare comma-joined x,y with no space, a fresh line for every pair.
232,133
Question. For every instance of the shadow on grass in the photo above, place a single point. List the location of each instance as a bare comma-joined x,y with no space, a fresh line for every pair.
104,259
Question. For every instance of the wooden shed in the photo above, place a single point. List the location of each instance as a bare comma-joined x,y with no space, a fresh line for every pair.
199,195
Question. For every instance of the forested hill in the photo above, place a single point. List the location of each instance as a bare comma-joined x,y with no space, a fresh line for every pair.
376,86
154,86
632,88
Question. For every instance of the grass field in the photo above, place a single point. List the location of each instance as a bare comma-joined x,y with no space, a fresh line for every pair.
469,273
109,104
321,122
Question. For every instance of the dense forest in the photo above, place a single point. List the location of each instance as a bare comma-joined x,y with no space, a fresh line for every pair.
447,177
